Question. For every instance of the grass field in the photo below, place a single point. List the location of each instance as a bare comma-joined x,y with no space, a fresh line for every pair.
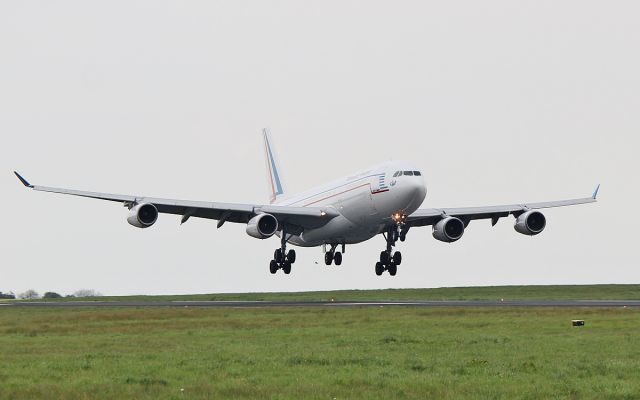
577,292
319,353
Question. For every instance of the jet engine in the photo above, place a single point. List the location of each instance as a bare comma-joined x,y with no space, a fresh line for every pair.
530,223
143,215
262,226
448,229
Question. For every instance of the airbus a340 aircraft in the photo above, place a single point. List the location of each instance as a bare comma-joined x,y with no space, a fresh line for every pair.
383,199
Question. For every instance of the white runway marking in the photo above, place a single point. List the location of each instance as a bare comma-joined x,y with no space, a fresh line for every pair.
217,301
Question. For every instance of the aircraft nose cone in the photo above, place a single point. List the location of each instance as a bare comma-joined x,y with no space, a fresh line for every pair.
422,192
417,192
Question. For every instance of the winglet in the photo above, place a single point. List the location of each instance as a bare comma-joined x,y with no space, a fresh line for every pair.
595,193
24,181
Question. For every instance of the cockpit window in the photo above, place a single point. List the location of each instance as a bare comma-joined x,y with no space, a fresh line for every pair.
397,173
416,173
408,173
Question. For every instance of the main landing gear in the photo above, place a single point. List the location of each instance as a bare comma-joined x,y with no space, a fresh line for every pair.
333,256
390,260
281,257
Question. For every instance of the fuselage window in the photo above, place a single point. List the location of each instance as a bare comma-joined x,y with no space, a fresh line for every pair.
408,173
416,173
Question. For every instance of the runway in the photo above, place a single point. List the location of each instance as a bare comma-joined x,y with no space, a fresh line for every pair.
328,304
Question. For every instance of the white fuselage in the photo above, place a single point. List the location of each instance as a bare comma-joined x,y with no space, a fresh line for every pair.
366,202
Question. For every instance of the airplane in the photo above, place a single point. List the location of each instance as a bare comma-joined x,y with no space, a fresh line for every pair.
383,199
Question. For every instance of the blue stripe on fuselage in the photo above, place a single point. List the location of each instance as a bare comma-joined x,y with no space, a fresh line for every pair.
329,190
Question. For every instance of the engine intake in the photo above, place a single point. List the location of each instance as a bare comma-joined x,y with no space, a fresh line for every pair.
448,229
262,226
143,215
530,223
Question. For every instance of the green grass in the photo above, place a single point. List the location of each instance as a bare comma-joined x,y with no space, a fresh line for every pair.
577,292
319,353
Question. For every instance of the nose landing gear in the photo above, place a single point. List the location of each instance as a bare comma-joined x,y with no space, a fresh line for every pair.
390,260
281,257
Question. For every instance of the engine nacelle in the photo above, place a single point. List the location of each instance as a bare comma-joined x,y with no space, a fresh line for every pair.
143,215
262,226
448,229
530,223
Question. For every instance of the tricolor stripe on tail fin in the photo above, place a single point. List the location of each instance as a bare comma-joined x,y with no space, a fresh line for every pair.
274,177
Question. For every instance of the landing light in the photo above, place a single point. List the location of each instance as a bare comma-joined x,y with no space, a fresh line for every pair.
397,217
322,213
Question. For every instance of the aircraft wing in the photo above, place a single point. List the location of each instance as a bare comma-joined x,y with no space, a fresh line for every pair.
297,219
430,216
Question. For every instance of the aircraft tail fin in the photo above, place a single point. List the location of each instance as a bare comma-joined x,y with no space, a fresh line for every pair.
274,175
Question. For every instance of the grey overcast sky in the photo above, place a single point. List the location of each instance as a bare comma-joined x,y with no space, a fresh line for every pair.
496,101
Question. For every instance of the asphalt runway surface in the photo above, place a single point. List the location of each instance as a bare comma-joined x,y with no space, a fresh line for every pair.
262,304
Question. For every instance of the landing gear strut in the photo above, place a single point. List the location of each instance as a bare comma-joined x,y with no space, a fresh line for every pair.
282,258
390,260
333,256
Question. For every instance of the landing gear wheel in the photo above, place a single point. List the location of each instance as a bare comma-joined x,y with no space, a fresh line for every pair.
337,258
384,257
278,256
286,267
397,258
328,258
393,269
273,267
379,268
291,256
